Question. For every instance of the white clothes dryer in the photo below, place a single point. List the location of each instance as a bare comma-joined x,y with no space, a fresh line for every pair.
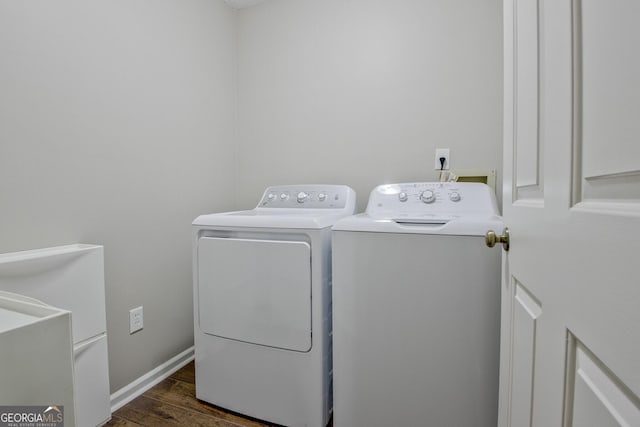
416,308
262,304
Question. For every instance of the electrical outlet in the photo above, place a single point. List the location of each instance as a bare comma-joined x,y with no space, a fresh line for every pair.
442,152
135,320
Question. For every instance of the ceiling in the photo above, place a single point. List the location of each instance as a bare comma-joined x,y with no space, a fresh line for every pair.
241,4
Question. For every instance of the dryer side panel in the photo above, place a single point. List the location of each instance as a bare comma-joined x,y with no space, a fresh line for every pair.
256,291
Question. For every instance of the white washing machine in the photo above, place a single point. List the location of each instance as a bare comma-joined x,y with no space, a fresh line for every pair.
262,304
416,308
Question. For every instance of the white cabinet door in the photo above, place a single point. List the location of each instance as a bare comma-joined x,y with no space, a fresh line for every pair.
36,358
571,295
256,291
91,369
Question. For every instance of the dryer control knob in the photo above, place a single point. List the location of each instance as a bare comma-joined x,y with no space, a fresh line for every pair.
428,196
322,197
403,197
271,197
284,196
302,197
454,197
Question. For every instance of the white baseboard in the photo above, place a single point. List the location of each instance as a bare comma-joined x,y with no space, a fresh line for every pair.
134,389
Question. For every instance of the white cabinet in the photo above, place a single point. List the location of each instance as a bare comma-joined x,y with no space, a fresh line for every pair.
71,277
36,356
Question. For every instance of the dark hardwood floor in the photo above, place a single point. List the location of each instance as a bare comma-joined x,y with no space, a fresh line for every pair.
173,403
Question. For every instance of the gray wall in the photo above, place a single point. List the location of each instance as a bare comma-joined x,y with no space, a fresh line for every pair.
361,92
116,128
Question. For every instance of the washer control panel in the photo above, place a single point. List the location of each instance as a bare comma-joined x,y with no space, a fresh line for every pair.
312,196
431,201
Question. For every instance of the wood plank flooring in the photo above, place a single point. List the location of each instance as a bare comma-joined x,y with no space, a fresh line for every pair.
173,403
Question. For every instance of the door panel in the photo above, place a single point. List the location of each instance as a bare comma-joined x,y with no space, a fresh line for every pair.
606,105
595,396
570,343
608,35
256,291
525,312
527,168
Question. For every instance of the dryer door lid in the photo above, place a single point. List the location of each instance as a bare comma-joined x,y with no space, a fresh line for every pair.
256,291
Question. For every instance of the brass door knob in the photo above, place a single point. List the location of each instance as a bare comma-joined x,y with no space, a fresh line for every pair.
491,238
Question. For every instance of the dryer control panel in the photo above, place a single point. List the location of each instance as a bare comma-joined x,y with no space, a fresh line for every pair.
427,202
311,196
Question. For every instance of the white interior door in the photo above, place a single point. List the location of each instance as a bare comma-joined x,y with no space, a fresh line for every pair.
570,348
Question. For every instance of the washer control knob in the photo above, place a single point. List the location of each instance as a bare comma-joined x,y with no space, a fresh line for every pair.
284,196
454,197
428,196
403,197
322,197
271,197
302,197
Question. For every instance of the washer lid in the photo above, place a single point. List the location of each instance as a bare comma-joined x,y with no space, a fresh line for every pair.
428,208
467,226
